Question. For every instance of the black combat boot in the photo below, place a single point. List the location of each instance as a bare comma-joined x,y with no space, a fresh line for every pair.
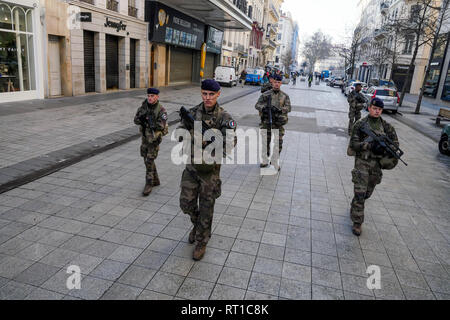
356,229
199,251
147,189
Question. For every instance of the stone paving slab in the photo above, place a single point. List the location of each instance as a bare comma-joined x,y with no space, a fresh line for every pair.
293,238
25,171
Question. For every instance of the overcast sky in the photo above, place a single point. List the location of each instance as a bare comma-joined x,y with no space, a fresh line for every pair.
333,17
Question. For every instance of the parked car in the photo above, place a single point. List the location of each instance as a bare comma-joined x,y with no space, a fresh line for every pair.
226,75
389,96
382,83
346,84
444,143
337,82
351,87
302,78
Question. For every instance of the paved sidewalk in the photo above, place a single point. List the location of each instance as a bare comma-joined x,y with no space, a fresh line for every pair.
46,135
281,237
425,122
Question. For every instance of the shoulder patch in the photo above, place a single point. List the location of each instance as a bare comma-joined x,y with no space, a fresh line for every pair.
232,124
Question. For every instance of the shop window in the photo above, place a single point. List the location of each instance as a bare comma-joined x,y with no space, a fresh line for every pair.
446,90
5,17
16,49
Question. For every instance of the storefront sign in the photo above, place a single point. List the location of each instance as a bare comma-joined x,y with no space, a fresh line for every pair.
116,25
434,64
170,26
214,40
85,16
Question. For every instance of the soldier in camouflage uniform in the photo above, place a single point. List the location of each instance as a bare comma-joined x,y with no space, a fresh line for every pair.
268,85
200,183
356,101
368,160
152,119
281,106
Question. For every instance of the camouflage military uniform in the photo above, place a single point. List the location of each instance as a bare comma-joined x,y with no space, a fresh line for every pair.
367,172
266,87
282,103
355,106
200,183
151,139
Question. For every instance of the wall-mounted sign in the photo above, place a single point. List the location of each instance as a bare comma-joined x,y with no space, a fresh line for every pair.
214,40
170,26
434,64
116,25
85,16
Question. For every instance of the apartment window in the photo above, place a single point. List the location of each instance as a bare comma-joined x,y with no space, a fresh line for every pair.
279,36
89,1
132,10
409,44
415,12
112,5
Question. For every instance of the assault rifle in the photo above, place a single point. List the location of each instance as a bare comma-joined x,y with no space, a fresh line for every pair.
269,110
189,121
147,121
383,143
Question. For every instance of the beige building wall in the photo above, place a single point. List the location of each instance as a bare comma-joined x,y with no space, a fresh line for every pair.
56,24
135,28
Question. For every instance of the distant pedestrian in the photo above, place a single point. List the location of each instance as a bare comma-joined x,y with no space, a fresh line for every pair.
152,119
243,78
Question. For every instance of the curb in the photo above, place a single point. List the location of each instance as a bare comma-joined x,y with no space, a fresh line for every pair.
29,170
415,126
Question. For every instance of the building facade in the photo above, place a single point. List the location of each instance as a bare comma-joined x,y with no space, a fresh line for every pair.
288,38
21,55
179,32
108,46
376,39
271,18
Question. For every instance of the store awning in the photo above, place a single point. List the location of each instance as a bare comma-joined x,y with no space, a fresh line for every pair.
221,14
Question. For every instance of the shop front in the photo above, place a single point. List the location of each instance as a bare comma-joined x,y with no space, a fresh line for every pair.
176,39
109,51
434,73
21,71
399,75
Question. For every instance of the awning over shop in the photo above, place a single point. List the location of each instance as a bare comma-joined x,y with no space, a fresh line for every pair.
220,14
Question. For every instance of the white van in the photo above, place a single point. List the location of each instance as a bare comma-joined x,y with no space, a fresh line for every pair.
226,75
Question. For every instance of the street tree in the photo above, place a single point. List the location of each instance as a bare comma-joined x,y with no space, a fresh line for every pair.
418,27
287,60
437,42
349,50
317,47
